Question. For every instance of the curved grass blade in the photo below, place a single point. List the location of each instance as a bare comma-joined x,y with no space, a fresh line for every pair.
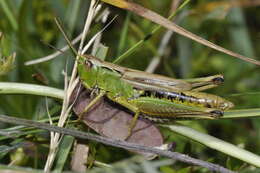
216,144
152,16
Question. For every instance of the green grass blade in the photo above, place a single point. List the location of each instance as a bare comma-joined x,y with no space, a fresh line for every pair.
21,88
123,35
63,153
9,14
242,113
216,144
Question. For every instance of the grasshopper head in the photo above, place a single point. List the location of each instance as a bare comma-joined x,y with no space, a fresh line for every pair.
92,61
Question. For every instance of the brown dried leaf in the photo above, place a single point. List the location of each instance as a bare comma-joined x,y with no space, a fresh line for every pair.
112,120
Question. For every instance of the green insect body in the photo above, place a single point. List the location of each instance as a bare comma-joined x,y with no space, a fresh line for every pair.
156,104
153,95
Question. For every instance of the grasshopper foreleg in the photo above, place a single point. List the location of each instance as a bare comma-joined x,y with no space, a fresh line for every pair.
92,103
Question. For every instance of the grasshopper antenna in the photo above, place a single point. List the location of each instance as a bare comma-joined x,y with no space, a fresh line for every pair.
53,47
58,23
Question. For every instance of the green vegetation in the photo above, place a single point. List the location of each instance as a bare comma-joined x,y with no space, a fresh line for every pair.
28,32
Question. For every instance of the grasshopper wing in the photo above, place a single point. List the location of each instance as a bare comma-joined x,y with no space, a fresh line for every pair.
148,81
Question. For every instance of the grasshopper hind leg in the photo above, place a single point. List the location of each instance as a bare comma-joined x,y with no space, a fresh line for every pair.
123,101
132,125
162,108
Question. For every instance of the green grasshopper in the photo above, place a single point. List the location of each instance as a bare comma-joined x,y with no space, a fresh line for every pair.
150,95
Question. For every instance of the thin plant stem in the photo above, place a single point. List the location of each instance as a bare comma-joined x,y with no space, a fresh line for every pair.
68,87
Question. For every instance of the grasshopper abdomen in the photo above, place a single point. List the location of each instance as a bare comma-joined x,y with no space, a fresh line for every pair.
188,97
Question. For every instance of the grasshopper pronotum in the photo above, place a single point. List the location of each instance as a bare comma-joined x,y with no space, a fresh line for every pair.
154,96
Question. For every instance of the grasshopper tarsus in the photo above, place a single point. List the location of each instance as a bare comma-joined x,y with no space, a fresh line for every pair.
218,80
217,113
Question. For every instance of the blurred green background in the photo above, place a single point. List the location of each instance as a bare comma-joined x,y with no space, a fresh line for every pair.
27,25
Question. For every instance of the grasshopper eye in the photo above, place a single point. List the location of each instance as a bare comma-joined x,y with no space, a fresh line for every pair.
88,63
